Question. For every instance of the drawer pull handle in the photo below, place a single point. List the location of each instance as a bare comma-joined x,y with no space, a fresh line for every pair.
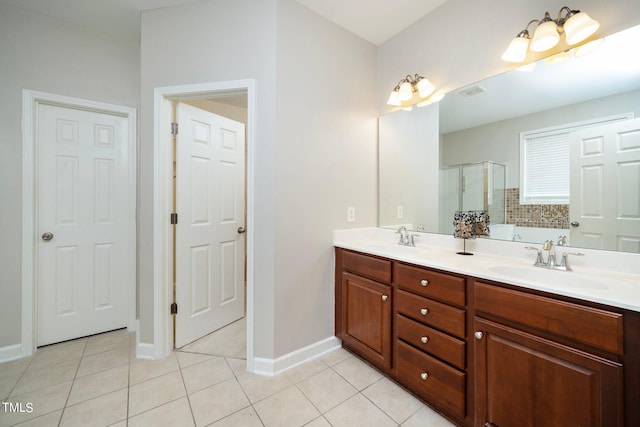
384,297
424,282
424,340
424,376
424,311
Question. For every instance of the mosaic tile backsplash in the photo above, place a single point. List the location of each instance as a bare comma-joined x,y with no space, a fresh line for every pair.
543,216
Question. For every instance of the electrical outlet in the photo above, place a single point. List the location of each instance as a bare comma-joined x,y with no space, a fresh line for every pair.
351,214
400,212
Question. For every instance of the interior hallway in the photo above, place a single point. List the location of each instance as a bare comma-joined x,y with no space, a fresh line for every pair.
97,381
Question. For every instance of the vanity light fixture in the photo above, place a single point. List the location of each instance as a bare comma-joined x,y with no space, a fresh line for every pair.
575,25
412,90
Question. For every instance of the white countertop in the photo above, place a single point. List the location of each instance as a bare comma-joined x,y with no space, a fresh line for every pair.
614,288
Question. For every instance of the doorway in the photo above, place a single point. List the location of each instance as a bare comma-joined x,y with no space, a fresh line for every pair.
209,230
164,98
79,228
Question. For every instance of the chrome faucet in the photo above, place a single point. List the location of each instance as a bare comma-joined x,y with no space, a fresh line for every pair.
551,257
406,239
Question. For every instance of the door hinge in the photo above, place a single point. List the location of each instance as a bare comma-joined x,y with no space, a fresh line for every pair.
174,218
174,129
174,308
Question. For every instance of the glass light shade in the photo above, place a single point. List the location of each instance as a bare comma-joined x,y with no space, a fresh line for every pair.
434,98
545,37
425,88
579,27
558,57
437,96
394,99
527,68
517,50
405,92
587,48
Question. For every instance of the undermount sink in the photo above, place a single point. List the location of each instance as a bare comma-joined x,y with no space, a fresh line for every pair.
558,278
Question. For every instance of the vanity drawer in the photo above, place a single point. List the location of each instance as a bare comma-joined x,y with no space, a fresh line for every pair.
431,284
432,313
591,326
377,269
440,345
431,379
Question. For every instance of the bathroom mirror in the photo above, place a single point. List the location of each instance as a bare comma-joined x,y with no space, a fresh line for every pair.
481,125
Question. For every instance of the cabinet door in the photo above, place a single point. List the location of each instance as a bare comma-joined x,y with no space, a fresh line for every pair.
526,381
366,313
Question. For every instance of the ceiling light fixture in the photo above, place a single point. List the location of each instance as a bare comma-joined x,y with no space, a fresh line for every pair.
575,25
410,91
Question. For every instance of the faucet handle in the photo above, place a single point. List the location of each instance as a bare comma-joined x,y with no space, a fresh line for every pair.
401,229
539,260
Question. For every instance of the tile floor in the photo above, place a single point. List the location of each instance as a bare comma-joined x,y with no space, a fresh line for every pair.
97,381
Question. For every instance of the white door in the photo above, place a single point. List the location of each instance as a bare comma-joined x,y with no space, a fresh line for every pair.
605,187
210,244
85,224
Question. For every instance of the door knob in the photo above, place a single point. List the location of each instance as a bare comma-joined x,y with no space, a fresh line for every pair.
384,297
241,230
575,224
479,335
47,236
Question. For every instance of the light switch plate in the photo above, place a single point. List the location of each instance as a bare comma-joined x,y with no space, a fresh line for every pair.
351,214
400,212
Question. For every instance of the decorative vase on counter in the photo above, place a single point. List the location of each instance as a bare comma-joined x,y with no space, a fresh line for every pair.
469,225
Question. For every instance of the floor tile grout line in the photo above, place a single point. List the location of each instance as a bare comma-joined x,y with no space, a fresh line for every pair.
186,390
20,377
73,381
382,409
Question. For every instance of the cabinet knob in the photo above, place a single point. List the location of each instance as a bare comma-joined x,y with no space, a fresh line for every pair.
424,340
384,297
424,376
424,282
478,335
424,311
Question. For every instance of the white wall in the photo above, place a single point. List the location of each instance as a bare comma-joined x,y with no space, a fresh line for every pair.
315,146
461,42
43,54
201,42
326,145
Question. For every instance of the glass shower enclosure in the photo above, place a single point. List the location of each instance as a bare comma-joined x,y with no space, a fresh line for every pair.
472,187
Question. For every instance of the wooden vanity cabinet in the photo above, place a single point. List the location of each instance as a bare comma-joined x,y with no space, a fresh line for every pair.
533,364
430,337
410,322
487,354
363,316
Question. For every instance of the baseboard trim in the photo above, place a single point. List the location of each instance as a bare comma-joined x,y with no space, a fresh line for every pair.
145,351
10,352
271,367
